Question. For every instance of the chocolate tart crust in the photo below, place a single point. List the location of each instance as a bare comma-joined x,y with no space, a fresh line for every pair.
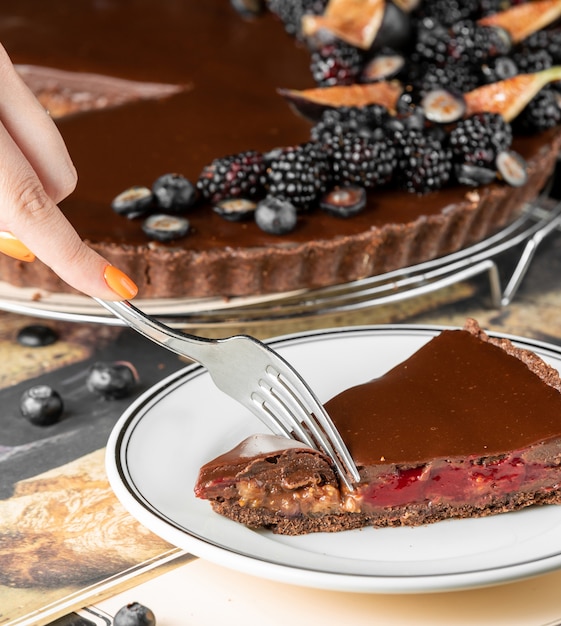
414,515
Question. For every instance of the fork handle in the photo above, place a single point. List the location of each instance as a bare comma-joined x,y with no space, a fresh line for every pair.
152,329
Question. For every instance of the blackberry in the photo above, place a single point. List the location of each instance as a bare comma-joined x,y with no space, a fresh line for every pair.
456,76
474,43
432,42
423,161
488,7
298,174
335,123
413,119
528,60
336,63
548,39
364,161
448,12
476,140
233,176
290,12
542,112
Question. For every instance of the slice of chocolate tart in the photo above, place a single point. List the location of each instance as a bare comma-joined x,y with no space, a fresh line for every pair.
468,426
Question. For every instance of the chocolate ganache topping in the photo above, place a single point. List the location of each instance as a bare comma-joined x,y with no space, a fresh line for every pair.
445,402
229,69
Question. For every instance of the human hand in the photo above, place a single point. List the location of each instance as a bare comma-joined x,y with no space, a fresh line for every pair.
37,173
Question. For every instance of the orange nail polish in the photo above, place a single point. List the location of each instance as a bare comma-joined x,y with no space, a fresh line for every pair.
119,282
15,248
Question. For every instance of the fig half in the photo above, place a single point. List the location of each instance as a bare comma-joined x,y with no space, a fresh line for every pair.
310,103
355,21
521,20
510,96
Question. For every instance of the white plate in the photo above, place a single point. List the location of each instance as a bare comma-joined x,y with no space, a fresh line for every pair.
155,451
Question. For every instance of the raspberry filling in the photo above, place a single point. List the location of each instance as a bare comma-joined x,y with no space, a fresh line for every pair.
457,482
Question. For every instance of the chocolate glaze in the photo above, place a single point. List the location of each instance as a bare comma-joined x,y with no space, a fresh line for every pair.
458,396
229,69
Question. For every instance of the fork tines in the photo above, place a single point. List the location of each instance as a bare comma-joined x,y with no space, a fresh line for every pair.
296,411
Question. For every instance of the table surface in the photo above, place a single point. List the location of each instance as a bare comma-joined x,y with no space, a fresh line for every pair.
198,592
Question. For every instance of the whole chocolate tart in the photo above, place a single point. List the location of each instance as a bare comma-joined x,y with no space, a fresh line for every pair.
468,426
140,89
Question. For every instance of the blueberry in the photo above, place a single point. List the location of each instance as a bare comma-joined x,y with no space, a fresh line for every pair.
235,209
133,202
36,336
165,227
111,380
275,215
344,201
498,68
512,168
383,67
134,614
248,8
443,106
173,192
41,405
474,175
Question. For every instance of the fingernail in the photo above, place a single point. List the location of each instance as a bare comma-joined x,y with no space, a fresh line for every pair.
120,283
15,248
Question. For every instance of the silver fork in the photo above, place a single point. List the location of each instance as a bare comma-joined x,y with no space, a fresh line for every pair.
256,376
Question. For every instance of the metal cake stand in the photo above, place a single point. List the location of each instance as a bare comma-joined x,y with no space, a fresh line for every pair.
524,236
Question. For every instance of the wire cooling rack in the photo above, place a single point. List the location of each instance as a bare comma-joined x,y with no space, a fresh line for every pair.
536,223
524,236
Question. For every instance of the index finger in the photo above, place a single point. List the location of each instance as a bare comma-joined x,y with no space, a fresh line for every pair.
35,133
27,211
